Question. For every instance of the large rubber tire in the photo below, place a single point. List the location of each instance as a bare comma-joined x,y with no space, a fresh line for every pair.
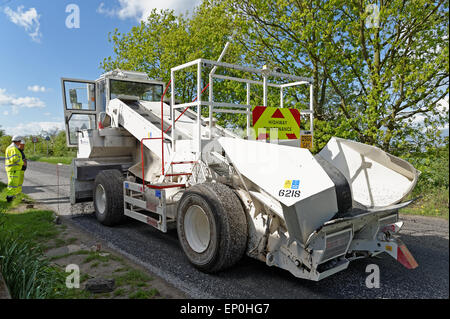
108,197
216,211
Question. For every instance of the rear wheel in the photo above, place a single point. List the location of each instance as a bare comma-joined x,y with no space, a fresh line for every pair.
108,197
212,226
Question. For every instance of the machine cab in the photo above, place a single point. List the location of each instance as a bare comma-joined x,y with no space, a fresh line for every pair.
84,100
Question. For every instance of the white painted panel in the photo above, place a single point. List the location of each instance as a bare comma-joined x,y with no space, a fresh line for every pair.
270,165
376,178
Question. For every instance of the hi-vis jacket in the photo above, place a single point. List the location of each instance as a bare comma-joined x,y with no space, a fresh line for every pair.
13,158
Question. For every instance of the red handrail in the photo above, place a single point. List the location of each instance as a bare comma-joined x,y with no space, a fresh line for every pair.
162,134
187,108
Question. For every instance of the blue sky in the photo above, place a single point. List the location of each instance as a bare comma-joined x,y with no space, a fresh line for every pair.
37,49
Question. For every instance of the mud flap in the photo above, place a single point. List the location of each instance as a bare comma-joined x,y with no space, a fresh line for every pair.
398,250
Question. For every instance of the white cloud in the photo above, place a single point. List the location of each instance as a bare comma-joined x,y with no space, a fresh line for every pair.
33,128
19,102
103,10
29,20
4,99
442,107
140,9
26,102
6,113
37,88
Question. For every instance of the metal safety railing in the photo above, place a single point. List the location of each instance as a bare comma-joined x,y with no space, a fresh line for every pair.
162,149
162,141
187,108
218,107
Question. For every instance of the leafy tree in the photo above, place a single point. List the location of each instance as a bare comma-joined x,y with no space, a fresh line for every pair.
165,40
56,146
60,147
5,141
375,65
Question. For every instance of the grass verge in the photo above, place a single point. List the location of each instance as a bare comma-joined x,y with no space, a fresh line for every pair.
14,203
27,273
51,159
433,183
26,239
432,204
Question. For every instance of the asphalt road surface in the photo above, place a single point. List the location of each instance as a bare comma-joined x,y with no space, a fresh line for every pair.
426,238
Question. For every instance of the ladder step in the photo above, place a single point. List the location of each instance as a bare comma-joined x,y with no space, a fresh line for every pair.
179,174
163,186
184,162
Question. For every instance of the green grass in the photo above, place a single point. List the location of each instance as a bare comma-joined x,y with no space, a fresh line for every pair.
76,294
119,292
121,269
102,295
144,294
432,185
80,252
433,204
71,240
32,225
59,243
97,257
52,159
84,277
4,205
23,236
28,274
132,277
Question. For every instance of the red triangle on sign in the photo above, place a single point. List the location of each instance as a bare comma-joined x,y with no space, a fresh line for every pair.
278,115
257,112
291,136
296,114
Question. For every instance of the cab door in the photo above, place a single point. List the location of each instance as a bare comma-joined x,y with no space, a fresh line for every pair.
80,107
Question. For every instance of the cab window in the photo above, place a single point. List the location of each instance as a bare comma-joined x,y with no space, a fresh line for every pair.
142,91
79,95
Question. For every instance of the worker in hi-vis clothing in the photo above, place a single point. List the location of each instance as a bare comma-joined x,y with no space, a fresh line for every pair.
24,166
13,166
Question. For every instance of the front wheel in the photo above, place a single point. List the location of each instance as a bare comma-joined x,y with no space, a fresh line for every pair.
212,227
108,197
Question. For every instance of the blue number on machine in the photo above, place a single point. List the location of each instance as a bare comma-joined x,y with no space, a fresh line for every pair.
289,193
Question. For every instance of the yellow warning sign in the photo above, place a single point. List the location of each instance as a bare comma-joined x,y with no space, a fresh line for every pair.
306,141
286,121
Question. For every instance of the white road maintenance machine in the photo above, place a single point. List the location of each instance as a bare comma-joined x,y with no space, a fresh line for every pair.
169,165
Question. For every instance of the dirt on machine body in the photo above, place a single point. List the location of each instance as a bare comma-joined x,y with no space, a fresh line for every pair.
143,156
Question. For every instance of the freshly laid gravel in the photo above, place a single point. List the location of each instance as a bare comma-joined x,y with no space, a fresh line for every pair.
426,238
162,254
